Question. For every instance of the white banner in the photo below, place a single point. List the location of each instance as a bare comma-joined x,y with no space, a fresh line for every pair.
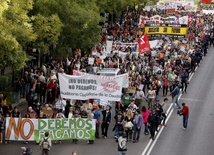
90,87
124,76
157,19
109,46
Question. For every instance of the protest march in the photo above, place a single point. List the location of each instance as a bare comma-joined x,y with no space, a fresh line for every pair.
155,50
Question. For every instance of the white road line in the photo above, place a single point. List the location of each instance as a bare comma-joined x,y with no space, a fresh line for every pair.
158,135
151,143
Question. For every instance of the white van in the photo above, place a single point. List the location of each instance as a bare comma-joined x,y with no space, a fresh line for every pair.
108,71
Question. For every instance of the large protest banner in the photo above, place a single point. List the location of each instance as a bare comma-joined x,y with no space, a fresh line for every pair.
166,30
125,77
90,87
59,129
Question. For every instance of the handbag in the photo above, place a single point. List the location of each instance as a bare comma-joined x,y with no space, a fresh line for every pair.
129,124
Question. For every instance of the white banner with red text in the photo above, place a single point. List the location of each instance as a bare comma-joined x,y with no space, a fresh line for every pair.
125,77
90,87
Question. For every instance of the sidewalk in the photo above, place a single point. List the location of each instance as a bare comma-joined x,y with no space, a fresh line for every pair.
21,102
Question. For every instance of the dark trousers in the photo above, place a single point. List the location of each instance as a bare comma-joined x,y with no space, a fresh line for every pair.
45,152
165,90
97,135
128,134
184,86
164,118
153,129
104,127
185,121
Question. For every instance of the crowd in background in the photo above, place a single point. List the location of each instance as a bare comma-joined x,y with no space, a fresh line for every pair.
155,76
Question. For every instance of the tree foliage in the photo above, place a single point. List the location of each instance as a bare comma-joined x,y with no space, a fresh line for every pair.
80,20
16,31
63,24
48,30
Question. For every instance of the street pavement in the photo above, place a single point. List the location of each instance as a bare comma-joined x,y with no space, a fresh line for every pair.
196,140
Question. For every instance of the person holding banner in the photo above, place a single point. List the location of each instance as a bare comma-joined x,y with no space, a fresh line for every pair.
87,106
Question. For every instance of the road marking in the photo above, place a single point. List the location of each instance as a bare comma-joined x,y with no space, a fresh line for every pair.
151,143
190,99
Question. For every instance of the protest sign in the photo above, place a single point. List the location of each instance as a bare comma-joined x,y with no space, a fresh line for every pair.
125,77
90,87
165,30
90,61
59,129
47,112
131,90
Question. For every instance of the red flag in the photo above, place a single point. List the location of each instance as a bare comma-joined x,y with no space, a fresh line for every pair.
190,20
143,44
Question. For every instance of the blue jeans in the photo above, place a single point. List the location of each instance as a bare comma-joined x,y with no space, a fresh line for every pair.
146,128
136,135
175,101
121,152
185,121
118,128
17,97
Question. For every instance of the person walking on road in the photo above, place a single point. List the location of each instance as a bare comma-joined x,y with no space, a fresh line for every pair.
45,144
164,113
106,121
185,113
153,121
138,121
175,93
118,121
145,115
184,81
122,144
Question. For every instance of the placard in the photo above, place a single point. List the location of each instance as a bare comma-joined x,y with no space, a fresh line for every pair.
131,90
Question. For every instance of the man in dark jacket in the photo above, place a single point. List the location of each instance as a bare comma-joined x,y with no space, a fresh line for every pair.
184,80
106,121
153,121
122,144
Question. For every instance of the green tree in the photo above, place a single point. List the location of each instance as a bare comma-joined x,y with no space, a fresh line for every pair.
16,32
80,19
48,30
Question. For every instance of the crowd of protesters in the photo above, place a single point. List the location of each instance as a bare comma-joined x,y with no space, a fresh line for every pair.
155,75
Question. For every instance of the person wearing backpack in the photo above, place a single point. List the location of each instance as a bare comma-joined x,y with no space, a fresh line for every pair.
122,144
45,144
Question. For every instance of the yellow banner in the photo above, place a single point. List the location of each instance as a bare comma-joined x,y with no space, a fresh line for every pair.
166,30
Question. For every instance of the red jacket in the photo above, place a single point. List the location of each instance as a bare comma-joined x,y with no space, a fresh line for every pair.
185,111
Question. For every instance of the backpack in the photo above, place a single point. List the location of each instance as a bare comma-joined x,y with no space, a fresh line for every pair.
122,144
45,144
29,151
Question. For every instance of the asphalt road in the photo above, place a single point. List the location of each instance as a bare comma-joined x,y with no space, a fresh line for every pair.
199,137
196,140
